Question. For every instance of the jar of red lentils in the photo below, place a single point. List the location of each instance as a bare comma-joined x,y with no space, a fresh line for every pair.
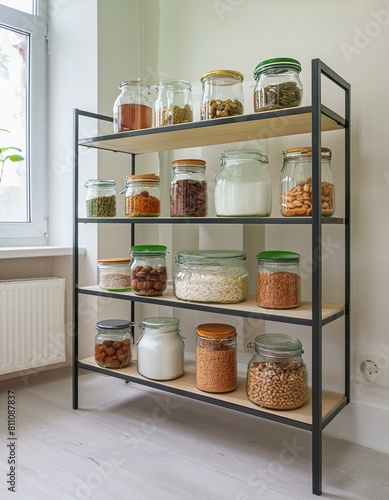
143,198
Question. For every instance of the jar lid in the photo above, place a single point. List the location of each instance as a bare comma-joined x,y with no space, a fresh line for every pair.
278,345
305,152
279,256
223,72
278,64
210,257
175,85
188,162
216,330
103,183
148,249
113,324
114,260
163,325
245,154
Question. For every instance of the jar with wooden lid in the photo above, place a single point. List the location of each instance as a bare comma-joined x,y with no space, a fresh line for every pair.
296,183
188,189
278,84
216,357
148,270
100,198
222,94
115,274
143,197
113,343
277,374
133,109
173,103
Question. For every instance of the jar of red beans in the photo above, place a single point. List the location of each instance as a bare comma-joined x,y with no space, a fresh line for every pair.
133,109
188,189
113,343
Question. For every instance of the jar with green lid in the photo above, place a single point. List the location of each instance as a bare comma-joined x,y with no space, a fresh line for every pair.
113,343
216,357
143,197
296,183
100,198
161,349
276,374
133,108
148,270
173,103
278,84
222,94
278,279
243,184
218,276
115,274
188,189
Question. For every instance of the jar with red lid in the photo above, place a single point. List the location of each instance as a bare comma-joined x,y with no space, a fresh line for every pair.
188,189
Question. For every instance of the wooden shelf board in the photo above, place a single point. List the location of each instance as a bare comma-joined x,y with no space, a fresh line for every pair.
186,386
248,308
210,132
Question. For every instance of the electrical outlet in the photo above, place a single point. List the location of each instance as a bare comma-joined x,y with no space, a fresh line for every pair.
371,368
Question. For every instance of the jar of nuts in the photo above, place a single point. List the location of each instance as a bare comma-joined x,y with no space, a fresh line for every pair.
276,374
278,84
115,274
113,343
296,183
173,103
148,270
278,279
216,357
222,94
188,189
142,195
100,198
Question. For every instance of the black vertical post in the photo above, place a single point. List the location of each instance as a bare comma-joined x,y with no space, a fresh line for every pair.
133,158
316,282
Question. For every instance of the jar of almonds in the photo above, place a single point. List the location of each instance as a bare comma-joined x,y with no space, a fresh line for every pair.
296,183
276,374
222,94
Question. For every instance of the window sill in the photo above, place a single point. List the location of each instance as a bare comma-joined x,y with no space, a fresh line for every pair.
38,251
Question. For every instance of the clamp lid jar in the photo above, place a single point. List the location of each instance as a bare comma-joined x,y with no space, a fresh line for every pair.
296,183
143,197
222,94
173,103
113,343
114,274
216,357
278,279
133,109
277,374
243,184
218,276
148,270
278,84
100,198
188,189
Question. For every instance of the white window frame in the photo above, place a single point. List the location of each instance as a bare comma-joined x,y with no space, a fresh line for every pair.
33,232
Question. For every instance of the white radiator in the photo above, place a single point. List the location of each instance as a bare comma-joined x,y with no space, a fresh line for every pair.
32,323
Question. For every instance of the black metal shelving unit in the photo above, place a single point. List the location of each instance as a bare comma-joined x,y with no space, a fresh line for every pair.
322,406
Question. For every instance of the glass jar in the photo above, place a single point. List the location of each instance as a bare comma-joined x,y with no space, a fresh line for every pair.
188,189
216,357
218,276
276,374
148,270
278,280
114,274
133,109
222,94
243,184
296,183
113,343
278,84
100,198
173,103
143,197
161,349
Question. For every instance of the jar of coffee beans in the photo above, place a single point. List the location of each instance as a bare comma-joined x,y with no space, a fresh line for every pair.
148,270
278,84
188,189
222,94
216,358
276,374
100,198
113,343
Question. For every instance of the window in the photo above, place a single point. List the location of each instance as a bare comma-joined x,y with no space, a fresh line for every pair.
23,62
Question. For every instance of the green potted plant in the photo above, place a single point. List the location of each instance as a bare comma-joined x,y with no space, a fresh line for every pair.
7,153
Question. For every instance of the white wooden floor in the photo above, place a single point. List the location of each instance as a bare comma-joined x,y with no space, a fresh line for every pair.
135,443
